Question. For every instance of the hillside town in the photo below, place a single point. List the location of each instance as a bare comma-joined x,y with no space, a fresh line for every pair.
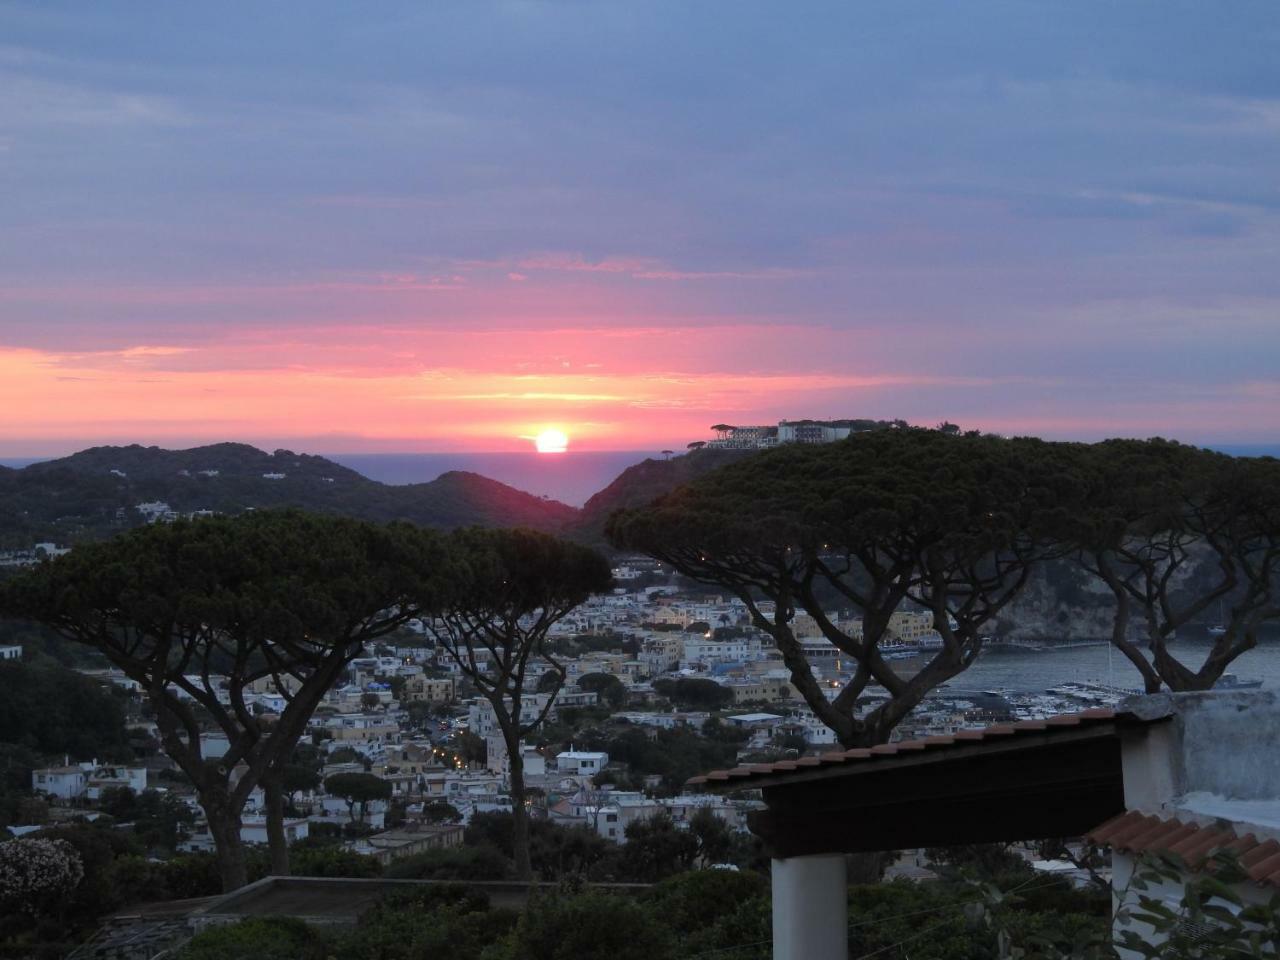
806,664
648,659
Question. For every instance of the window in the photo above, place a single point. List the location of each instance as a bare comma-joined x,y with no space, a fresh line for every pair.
611,818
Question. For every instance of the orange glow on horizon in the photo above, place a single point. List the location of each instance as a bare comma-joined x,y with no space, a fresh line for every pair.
551,440
345,389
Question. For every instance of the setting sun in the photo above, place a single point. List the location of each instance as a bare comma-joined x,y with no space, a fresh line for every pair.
551,441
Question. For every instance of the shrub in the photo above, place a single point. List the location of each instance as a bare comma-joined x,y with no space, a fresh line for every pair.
263,938
693,901
192,875
460,863
36,874
333,862
445,920
98,848
588,926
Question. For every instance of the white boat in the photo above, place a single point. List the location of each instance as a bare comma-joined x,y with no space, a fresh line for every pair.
1218,629
1229,681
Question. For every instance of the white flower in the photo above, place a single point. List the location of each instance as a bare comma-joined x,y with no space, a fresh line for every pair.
34,871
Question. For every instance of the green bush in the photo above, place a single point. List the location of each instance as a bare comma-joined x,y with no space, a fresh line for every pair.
926,920
693,901
588,926
439,921
192,875
724,912
53,710
99,847
258,938
332,861
458,863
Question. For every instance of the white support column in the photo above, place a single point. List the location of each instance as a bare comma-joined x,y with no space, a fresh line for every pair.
810,908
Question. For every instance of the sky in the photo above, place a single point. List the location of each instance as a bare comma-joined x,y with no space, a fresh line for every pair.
451,226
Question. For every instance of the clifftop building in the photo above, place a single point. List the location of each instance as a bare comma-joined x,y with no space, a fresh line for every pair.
791,431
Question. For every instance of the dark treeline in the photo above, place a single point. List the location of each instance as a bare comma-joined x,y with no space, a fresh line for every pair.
197,611
956,524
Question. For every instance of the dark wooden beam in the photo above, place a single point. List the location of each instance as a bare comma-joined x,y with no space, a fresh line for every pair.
991,746
1055,788
1064,812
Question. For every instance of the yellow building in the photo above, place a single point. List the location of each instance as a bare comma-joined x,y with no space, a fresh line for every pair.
430,689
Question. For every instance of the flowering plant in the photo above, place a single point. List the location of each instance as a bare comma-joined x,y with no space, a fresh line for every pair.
33,872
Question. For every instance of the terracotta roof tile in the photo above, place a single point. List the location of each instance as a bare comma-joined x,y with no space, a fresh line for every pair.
1268,871
961,738
1263,851
1182,838
1134,832
1114,826
1195,850
1159,836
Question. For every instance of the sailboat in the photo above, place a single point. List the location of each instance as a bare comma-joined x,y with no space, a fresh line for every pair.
1218,629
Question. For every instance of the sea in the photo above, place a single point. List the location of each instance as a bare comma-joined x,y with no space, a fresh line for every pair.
1022,671
570,477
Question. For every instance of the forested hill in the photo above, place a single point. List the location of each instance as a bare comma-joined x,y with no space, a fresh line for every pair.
96,492
640,484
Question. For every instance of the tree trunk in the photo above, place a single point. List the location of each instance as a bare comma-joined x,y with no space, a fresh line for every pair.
277,841
519,814
224,827
1151,681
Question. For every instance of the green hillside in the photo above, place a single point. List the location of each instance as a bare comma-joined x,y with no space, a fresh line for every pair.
95,493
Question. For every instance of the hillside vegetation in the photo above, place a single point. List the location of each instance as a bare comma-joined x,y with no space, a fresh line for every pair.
94,493
639,485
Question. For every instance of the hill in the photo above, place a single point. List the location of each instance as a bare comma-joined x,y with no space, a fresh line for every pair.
638,485
95,493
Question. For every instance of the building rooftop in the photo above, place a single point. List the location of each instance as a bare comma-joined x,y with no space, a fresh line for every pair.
1138,833
762,774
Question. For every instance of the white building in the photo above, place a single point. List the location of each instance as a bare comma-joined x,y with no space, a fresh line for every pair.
664,721
254,829
154,511
815,731
610,812
482,721
703,649
497,761
111,776
684,807
334,810
1205,780
768,721
66,782
11,652
471,793
581,763
761,436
